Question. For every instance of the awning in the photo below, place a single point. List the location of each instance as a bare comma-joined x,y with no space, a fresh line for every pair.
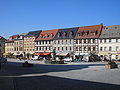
61,54
16,54
7,53
41,53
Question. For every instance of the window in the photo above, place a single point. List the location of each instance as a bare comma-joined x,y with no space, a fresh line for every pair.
66,41
76,41
101,48
70,48
49,42
117,57
104,40
94,48
109,40
115,27
58,42
117,47
59,34
62,48
84,41
70,41
100,40
71,34
66,48
84,48
76,48
54,42
80,48
89,48
105,48
51,35
93,40
89,40
49,48
62,41
116,40
110,48
58,48
64,34
80,41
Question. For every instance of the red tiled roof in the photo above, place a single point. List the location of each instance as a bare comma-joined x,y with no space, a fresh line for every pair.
2,37
13,37
47,35
9,41
89,31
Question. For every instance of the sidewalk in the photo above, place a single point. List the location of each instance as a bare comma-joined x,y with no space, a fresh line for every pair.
6,83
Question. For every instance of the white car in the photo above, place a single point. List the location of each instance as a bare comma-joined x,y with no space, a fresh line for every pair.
34,58
67,59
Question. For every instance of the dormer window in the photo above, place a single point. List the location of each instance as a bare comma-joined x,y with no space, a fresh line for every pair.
93,33
59,34
71,34
41,36
51,35
64,34
96,32
115,27
46,36
85,33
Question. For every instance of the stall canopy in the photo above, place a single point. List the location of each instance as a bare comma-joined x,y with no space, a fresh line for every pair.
41,53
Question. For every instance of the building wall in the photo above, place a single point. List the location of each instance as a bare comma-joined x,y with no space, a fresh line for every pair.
18,47
63,45
85,46
9,47
110,48
43,46
2,46
29,44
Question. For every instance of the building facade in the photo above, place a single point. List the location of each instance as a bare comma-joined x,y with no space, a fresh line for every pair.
109,42
44,43
64,42
86,41
19,45
29,43
2,46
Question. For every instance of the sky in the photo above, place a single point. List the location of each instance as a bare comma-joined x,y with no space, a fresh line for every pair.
22,16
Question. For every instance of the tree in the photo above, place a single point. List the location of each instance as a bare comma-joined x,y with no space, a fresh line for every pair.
93,56
54,54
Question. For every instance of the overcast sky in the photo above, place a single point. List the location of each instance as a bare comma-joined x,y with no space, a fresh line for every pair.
21,16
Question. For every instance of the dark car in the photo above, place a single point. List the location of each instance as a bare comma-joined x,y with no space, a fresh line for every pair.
3,60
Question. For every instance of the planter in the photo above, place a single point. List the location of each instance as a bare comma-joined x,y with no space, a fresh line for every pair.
54,62
111,66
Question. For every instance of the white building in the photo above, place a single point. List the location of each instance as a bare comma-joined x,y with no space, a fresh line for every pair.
109,42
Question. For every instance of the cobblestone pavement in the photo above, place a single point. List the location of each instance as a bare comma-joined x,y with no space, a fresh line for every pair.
71,76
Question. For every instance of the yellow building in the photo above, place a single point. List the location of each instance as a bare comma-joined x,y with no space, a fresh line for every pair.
29,43
2,46
19,45
9,48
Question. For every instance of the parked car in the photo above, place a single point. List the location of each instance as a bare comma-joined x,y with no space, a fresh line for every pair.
67,59
36,58
3,60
